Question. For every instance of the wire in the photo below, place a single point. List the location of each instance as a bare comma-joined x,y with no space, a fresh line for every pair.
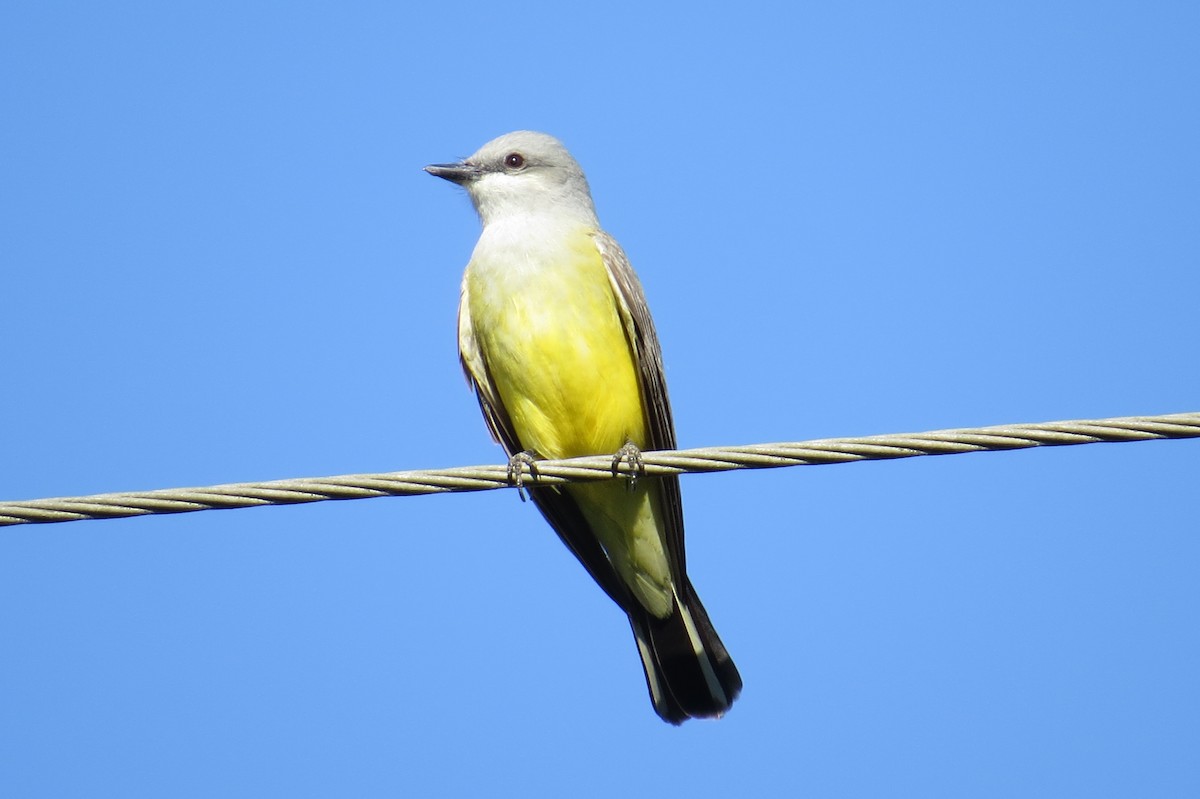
602,467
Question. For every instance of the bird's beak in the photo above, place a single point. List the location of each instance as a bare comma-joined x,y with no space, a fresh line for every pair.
461,173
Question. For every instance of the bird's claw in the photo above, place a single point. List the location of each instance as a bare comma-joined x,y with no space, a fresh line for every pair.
517,465
631,455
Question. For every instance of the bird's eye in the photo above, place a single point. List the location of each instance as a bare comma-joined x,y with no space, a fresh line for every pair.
514,160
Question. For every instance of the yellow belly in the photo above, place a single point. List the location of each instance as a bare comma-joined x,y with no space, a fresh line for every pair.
551,334
557,351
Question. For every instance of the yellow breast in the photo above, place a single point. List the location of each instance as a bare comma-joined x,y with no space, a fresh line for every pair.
548,325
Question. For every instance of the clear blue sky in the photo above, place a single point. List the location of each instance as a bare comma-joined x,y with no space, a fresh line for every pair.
222,262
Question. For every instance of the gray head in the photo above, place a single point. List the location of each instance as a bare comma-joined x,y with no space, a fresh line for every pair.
522,174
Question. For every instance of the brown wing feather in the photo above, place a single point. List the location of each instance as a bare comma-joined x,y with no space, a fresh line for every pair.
479,376
656,404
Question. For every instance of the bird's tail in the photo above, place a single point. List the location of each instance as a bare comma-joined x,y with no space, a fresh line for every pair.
688,671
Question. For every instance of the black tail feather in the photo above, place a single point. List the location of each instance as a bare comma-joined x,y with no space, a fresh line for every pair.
688,671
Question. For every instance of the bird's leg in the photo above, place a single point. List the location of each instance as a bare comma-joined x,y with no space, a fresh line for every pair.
517,465
631,455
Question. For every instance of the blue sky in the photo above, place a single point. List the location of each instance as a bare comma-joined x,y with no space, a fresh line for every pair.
222,262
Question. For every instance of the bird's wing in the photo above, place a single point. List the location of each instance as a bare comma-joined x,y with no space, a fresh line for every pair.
656,405
476,370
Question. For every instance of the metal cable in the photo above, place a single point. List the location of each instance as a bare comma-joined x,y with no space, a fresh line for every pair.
602,467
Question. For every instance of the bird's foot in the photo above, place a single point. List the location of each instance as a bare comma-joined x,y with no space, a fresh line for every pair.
631,455
517,465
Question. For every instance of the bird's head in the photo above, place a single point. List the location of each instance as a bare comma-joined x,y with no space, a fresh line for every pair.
522,174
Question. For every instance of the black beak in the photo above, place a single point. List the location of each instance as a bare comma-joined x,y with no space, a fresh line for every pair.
460,173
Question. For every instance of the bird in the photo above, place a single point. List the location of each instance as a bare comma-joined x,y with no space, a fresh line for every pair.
557,342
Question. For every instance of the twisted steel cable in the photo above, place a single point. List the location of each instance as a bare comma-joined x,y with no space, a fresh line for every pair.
602,467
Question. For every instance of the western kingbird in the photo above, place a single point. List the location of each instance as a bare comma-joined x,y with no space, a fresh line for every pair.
556,339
